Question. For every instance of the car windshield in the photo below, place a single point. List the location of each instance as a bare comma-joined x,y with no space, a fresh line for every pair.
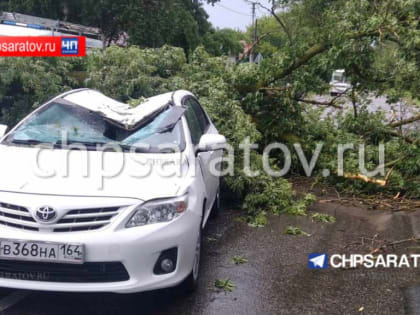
60,124
339,77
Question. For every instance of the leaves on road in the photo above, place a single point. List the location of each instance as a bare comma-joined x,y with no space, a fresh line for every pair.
322,217
293,230
226,285
239,260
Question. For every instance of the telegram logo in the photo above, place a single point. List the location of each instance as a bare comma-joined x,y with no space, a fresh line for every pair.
317,261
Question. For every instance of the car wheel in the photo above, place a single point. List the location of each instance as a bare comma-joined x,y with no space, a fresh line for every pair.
215,211
190,284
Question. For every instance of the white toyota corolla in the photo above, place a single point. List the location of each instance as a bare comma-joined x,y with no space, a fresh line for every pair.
99,196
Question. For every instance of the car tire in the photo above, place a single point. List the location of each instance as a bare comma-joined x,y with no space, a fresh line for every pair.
215,210
191,282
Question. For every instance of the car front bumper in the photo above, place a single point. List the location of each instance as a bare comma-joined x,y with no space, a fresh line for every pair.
138,249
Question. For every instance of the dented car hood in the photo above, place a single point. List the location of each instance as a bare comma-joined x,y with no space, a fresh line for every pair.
123,114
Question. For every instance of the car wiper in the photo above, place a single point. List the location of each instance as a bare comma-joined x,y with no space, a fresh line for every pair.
134,149
107,146
171,121
87,144
166,129
73,142
28,142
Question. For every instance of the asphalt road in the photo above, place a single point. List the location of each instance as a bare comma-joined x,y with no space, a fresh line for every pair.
393,112
276,279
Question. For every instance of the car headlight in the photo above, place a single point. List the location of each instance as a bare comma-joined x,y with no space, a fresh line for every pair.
156,211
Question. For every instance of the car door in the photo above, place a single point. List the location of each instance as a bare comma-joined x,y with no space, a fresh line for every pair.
199,124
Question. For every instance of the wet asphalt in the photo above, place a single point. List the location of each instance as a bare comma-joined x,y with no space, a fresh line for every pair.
276,278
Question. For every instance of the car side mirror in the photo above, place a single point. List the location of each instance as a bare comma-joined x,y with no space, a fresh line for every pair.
211,142
3,129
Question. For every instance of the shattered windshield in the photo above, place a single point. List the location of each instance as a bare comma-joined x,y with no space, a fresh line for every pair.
62,123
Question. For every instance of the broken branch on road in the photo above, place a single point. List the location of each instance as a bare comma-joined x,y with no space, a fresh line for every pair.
328,104
405,121
391,244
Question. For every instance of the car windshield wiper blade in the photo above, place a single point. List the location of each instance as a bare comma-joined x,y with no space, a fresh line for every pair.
73,142
134,149
171,121
102,145
77,145
28,142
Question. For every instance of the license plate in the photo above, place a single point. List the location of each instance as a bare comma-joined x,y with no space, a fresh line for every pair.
41,251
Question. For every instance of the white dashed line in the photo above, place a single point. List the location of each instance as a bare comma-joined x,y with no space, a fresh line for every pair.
12,299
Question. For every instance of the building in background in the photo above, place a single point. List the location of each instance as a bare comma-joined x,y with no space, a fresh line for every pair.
16,24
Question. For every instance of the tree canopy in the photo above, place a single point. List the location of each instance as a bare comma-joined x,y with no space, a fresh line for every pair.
149,23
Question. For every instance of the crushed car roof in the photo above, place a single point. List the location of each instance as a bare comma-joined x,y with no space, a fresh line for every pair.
120,113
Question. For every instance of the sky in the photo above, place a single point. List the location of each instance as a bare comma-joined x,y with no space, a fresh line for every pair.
234,14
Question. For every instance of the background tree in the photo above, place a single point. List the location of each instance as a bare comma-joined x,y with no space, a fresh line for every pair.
225,42
149,23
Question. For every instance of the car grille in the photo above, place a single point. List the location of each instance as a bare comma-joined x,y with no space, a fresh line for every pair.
73,221
53,272
85,219
17,217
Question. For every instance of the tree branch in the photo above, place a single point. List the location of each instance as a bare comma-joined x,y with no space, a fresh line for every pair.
405,121
314,51
278,19
405,138
329,104
308,55
253,45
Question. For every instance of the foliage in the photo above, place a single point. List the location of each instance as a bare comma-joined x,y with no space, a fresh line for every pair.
226,285
402,162
376,42
256,219
274,37
299,207
239,260
322,217
132,73
295,231
127,74
27,82
149,23
223,42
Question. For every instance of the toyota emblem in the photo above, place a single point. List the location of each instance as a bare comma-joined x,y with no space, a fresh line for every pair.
46,214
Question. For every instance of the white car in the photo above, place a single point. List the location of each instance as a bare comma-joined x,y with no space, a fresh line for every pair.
71,222
339,84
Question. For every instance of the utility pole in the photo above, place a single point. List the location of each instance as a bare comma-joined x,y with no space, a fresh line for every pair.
254,35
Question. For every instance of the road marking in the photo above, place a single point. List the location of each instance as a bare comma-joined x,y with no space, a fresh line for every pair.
12,299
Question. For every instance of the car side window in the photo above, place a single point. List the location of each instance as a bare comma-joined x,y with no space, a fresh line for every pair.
194,125
199,112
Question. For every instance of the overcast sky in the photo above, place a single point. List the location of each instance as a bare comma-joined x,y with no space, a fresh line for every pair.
234,14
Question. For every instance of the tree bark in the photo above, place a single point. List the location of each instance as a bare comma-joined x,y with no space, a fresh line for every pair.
405,121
